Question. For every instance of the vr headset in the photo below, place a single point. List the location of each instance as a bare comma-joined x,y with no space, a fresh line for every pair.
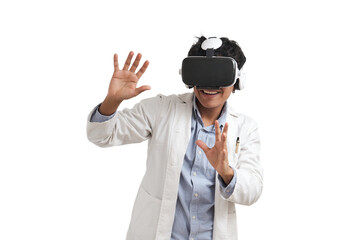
210,72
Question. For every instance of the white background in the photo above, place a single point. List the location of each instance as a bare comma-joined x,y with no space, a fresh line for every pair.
302,89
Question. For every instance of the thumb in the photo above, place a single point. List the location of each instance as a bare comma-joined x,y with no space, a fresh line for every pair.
142,89
202,145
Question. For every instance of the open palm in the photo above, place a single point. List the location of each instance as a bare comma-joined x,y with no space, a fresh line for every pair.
123,84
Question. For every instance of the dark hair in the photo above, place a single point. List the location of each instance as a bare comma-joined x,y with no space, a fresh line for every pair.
229,48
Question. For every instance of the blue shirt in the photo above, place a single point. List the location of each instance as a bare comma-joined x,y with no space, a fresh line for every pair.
194,216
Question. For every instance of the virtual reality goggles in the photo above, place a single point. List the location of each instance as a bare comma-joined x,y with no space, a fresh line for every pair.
210,72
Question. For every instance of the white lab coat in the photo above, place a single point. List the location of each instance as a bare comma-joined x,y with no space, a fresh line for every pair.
165,121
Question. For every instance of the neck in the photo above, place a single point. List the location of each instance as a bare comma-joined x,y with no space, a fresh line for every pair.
209,115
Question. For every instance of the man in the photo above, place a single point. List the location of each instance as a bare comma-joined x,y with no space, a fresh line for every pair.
203,157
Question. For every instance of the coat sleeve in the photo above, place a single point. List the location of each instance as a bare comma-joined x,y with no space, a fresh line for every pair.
127,126
249,173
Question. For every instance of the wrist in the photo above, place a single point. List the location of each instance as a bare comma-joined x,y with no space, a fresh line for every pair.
109,106
227,176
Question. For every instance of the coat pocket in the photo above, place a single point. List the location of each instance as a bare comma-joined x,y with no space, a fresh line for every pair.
233,156
145,216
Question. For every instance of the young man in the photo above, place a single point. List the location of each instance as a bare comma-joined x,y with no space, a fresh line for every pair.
203,157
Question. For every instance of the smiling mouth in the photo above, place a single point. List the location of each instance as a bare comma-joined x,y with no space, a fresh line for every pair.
210,92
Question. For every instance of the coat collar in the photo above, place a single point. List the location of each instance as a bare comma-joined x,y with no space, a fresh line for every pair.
186,97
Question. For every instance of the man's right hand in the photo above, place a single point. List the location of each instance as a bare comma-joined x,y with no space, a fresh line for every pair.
123,83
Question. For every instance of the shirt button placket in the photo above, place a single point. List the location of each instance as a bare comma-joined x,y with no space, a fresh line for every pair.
195,200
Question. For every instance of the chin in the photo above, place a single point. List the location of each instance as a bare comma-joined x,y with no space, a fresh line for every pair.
211,104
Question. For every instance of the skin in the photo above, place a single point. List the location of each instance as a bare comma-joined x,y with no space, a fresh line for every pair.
123,85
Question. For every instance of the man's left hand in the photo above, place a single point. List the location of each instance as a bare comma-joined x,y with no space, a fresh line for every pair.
218,155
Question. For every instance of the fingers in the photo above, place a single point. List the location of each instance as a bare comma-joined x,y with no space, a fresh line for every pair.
142,89
221,137
142,69
224,136
116,63
128,61
134,65
202,145
217,131
136,62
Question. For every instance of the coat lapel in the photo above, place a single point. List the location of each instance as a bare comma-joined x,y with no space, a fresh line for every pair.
221,206
179,137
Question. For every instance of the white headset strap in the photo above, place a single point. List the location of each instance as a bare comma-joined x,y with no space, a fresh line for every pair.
242,78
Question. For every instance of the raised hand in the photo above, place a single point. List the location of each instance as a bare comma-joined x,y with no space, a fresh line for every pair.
123,84
218,155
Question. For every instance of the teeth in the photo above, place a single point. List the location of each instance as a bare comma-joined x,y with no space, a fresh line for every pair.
207,92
